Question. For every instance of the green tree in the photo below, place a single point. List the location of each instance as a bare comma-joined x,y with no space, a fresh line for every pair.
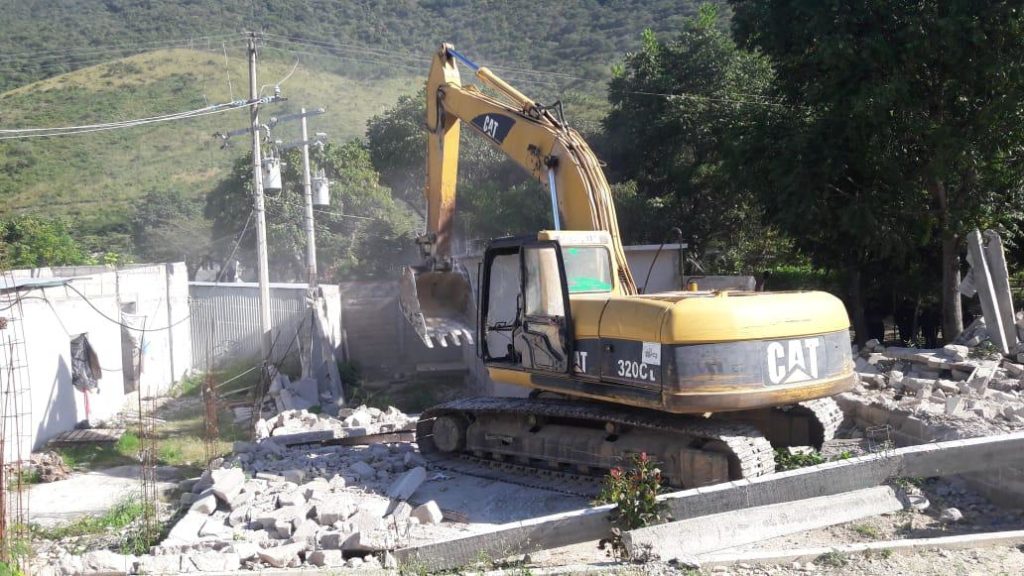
363,233
675,104
169,227
33,241
904,129
496,197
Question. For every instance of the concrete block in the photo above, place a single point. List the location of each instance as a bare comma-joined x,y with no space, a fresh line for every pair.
204,483
335,540
242,500
218,561
292,498
304,531
694,536
295,476
335,508
245,550
363,470
187,529
327,558
429,513
267,519
407,483
282,556
227,483
283,528
162,564
215,527
107,563
314,487
239,516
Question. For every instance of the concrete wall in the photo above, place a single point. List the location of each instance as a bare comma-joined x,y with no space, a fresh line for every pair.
42,321
377,336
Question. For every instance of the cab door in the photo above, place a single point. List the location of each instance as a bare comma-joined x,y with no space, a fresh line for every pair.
545,342
524,307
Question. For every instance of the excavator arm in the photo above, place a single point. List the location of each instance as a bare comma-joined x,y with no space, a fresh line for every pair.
436,294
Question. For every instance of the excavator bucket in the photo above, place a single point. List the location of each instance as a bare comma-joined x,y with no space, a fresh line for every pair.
437,304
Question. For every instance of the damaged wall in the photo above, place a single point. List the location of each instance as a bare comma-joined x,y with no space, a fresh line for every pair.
50,317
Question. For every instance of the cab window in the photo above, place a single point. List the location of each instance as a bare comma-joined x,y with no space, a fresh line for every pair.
587,269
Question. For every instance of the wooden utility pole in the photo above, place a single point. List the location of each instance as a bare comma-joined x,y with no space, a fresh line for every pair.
261,218
307,187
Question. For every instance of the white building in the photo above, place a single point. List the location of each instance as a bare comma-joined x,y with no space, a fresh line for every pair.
135,320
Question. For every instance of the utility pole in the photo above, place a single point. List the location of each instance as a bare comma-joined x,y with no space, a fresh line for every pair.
307,187
261,218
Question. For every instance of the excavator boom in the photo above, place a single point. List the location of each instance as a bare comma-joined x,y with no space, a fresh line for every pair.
435,294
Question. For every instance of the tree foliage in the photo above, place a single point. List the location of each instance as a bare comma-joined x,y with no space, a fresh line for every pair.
902,131
33,241
169,227
675,106
363,233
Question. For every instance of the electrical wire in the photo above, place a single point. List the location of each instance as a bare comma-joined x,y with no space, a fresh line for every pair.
282,80
118,322
238,241
24,133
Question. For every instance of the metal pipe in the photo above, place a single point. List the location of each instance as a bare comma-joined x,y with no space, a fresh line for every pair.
554,198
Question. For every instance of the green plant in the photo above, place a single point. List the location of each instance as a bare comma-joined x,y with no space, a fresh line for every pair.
866,530
834,559
190,385
634,491
886,553
128,444
784,460
119,516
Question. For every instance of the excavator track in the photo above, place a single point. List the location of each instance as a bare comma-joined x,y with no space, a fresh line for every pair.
579,441
810,423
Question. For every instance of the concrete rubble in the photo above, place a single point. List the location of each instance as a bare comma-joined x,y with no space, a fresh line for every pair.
275,504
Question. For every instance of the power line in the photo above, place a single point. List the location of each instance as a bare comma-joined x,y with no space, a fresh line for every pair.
23,133
118,322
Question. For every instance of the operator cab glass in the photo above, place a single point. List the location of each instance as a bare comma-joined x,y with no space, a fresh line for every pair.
588,269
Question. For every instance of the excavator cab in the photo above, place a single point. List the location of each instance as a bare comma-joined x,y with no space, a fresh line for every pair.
525,321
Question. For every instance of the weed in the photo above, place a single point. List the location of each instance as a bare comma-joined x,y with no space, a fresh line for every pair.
634,492
866,530
117,517
835,559
786,461
29,476
886,553
128,444
907,482
190,385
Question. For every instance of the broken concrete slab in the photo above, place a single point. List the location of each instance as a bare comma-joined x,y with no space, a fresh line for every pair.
282,556
162,564
429,513
107,562
327,558
187,529
363,471
335,508
406,484
205,504
227,483
926,460
703,534
218,561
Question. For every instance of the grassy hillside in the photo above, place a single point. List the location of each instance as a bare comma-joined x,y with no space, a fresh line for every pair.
43,38
97,176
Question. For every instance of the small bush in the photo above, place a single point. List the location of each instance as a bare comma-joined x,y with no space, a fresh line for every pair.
634,492
786,461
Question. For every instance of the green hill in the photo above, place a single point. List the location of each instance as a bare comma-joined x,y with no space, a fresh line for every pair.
96,176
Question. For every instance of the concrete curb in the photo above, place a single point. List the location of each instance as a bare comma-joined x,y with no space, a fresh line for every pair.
1011,537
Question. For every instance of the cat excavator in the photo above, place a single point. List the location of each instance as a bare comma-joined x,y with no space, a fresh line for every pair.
705,381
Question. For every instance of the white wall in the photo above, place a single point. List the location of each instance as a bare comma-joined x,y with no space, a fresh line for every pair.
46,320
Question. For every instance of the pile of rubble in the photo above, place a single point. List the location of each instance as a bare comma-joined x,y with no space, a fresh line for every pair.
48,467
967,389
278,503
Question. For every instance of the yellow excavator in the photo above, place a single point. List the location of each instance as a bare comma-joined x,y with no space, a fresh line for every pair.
704,381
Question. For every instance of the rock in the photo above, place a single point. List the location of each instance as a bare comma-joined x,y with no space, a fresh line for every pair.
294,476
947,386
429,513
305,531
162,564
187,498
267,476
336,540
227,483
205,504
918,502
406,484
399,516
245,550
241,501
218,561
413,459
186,530
239,516
953,405
363,470
215,527
188,484
282,556
268,519
896,379
919,386
951,516
327,558
335,508
956,352
293,498
354,562
106,562
686,562
283,528
317,486
204,483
